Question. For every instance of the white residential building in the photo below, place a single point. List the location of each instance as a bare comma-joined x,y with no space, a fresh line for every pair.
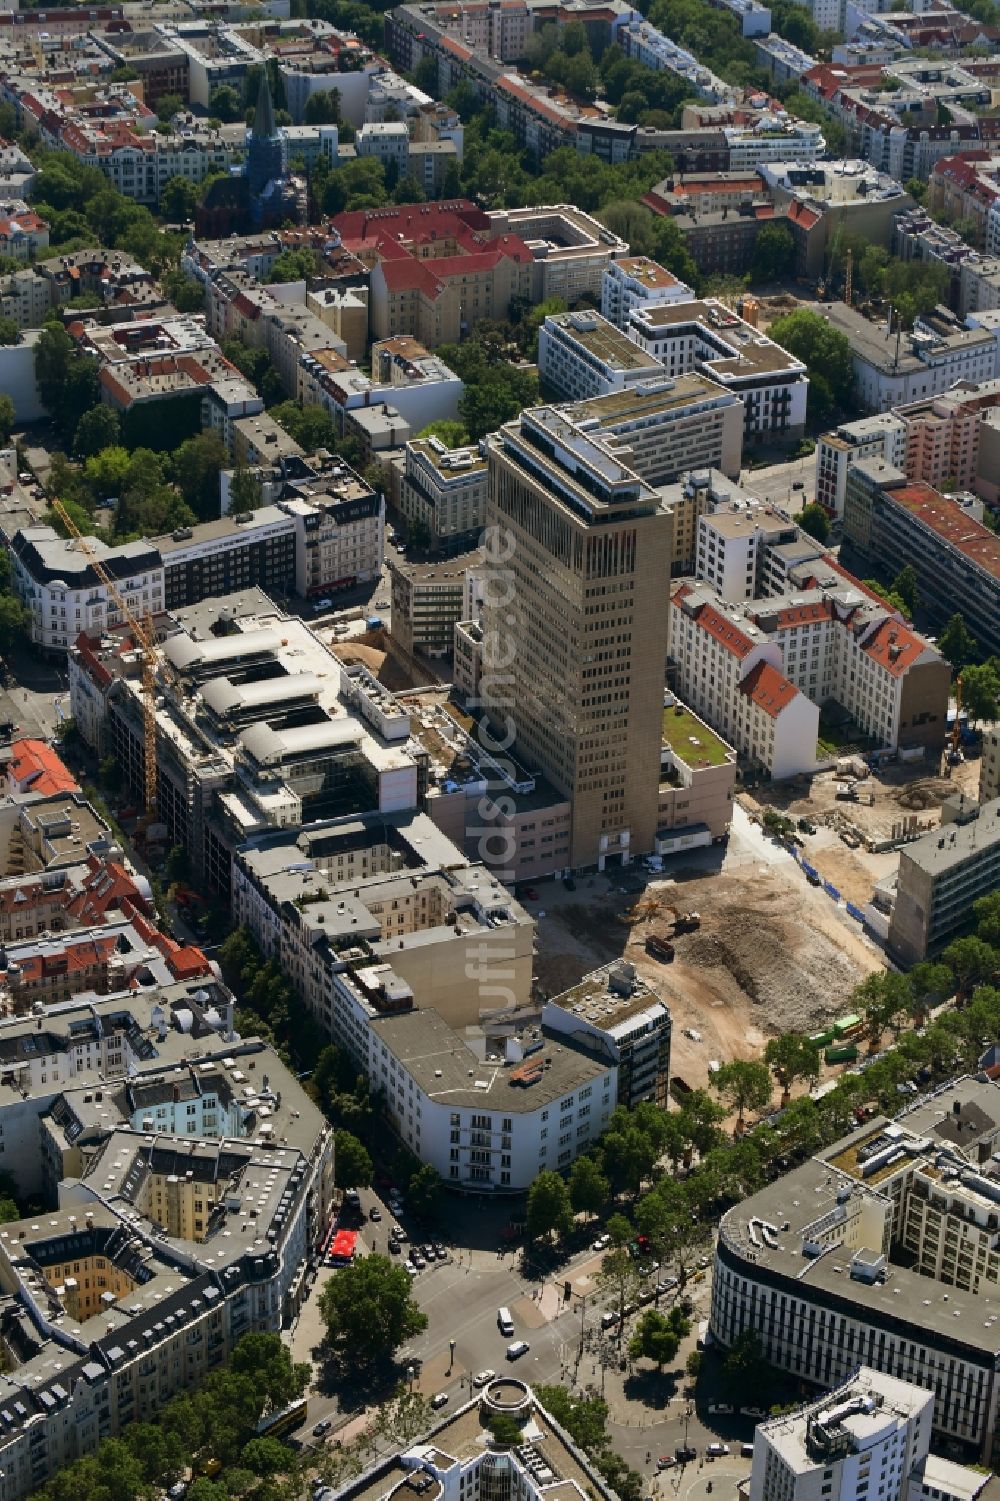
773,139
388,142
880,437
582,355
890,370
64,595
731,674
708,337
638,282
873,1432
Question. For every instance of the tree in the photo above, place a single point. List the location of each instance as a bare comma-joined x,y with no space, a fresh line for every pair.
548,1207
813,519
744,1368
369,1311
451,433
179,199
309,425
14,621
504,1430
224,103
186,294
424,1192
619,1275
293,265
956,643
789,1057
971,961
824,350
352,1164
97,429
773,253
589,1189
7,415
196,467
745,1085
658,1336
981,692
693,1364
883,998
178,866
246,491
905,586
931,984
9,331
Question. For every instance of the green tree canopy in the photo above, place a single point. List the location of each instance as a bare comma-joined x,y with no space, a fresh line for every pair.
589,1189
548,1207
956,643
658,1336
97,429
823,350
369,1311
813,519
773,253
352,1162
981,692
744,1085
792,1056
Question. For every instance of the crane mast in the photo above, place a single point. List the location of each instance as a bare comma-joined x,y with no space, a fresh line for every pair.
145,640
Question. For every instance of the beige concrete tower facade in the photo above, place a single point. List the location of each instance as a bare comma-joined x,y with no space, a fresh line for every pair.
577,614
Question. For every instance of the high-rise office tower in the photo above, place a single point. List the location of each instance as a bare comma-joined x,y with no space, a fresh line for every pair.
578,620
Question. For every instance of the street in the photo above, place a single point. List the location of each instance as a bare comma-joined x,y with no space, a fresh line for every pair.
777,483
649,1415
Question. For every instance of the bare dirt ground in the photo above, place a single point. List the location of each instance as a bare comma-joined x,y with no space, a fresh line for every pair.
771,955
387,667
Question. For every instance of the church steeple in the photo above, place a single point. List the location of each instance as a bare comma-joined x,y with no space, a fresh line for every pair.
264,127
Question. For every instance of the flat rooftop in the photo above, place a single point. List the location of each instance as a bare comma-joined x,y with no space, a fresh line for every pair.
604,341
451,1073
643,402
691,740
607,1002
952,844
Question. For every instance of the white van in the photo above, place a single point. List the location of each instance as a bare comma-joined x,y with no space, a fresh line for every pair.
504,1322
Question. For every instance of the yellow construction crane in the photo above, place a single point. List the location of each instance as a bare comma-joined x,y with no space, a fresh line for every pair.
849,277
145,640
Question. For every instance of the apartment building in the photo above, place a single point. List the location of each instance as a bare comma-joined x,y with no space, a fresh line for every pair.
690,498
582,355
835,1264
775,138
880,437
736,544
24,297
162,1118
434,271
611,1009
571,250
443,493
731,674
635,282
224,556
697,781
890,369
870,1428
889,523
63,594
709,338
590,552
940,876
339,525
428,601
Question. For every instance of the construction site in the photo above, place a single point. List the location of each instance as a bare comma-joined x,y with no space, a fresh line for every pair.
740,950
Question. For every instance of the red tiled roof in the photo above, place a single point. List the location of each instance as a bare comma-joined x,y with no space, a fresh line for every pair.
894,646
724,631
768,688
35,767
800,214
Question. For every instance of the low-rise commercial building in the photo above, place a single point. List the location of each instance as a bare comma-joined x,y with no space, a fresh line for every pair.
697,781
428,601
940,876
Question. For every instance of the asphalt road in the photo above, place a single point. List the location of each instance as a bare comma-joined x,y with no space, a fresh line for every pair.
777,483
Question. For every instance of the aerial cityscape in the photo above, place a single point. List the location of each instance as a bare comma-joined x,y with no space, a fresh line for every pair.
500,750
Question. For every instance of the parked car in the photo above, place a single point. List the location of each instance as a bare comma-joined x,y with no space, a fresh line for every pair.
393,1247
418,1261
665,1285
666,1462
440,1252
439,1399
753,1412
608,1320
746,1451
517,1349
410,1268
685,1453
483,1378
716,1450
323,1426
375,1213
602,1242
721,1409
